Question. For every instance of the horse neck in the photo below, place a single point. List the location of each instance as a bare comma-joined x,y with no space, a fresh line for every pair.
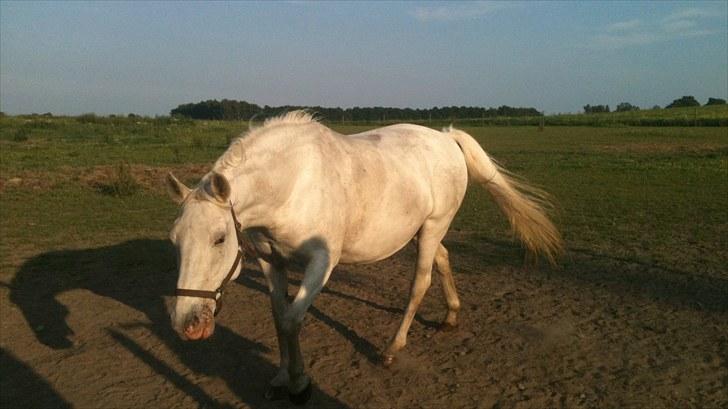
246,198
260,185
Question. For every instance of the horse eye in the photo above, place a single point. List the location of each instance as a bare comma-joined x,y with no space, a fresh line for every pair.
220,241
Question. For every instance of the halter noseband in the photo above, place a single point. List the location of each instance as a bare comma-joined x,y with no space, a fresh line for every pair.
216,295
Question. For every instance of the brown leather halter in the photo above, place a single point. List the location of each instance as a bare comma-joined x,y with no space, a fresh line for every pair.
243,248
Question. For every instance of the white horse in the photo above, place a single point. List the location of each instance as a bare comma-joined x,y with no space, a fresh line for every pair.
307,195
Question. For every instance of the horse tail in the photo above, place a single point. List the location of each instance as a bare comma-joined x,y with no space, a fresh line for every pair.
525,206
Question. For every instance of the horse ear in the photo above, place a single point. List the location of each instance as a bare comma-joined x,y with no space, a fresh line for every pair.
219,187
176,189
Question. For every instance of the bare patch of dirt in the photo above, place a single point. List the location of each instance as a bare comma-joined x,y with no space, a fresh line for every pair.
149,177
89,328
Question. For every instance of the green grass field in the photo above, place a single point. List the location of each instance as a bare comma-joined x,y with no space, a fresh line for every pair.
652,195
634,315
716,115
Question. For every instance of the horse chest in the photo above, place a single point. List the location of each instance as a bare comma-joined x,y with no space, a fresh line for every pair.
273,252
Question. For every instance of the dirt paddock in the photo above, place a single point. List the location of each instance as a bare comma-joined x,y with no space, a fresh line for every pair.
92,331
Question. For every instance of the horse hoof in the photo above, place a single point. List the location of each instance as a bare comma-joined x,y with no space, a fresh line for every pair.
387,360
447,327
273,393
302,397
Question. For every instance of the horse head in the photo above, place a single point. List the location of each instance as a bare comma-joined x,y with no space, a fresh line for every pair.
207,242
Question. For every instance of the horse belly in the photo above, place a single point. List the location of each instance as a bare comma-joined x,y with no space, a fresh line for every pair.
385,225
377,245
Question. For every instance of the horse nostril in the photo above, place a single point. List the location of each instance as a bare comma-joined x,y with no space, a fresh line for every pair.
192,322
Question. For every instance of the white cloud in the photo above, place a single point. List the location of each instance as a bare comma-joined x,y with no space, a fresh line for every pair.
678,26
624,25
460,11
625,40
683,23
691,13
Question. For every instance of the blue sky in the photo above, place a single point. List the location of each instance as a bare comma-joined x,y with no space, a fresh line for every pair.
147,57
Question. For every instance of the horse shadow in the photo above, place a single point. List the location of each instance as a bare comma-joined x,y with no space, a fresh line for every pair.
139,274
361,344
25,388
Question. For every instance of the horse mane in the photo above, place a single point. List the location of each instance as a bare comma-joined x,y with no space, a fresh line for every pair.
234,154
297,117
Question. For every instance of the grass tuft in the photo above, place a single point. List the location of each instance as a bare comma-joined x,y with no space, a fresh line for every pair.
21,135
122,183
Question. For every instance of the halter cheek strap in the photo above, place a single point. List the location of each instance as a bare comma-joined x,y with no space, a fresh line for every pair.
243,247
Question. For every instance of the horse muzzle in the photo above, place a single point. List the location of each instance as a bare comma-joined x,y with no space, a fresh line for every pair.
198,325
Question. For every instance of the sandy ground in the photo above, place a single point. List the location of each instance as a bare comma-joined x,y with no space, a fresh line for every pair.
598,333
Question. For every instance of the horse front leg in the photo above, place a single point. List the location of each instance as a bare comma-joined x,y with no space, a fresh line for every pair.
277,280
315,277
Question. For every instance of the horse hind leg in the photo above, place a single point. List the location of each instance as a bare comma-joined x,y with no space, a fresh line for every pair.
442,262
427,246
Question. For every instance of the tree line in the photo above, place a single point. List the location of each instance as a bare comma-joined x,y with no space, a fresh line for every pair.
685,101
227,109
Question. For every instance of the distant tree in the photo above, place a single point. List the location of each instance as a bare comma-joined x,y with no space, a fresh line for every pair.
686,101
656,107
715,101
595,109
626,107
87,118
241,110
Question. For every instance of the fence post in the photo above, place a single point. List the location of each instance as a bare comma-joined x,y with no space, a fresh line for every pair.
541,122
